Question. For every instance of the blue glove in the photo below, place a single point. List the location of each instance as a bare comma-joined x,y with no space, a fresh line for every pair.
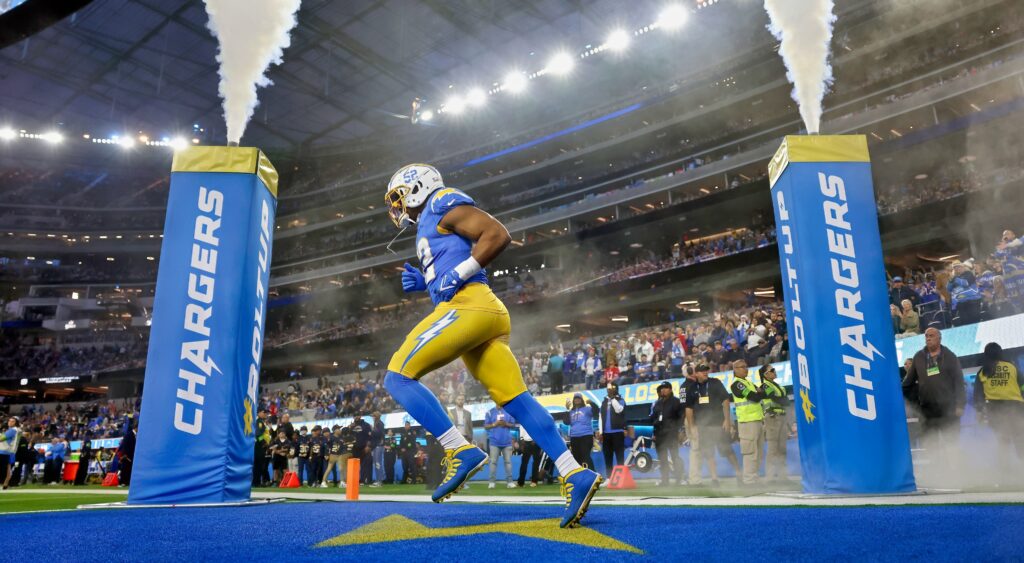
412,280
448,285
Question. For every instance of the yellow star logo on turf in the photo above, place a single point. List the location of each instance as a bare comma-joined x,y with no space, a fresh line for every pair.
807,406
396,528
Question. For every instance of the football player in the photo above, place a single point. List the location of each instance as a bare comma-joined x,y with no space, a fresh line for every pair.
455,240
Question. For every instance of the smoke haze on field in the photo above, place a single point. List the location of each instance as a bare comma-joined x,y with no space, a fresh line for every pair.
253,35
805,30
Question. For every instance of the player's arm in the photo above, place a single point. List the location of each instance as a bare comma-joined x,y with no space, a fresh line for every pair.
490,236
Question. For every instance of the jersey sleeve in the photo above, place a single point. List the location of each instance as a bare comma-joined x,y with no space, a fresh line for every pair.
448,199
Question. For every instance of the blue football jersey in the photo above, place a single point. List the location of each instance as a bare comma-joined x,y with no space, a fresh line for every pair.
440,250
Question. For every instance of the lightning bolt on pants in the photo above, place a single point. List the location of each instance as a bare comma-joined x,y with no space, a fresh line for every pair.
474,326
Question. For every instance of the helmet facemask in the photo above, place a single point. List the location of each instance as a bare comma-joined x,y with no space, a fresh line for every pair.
394,200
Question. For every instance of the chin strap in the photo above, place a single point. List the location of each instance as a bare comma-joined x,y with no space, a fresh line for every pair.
394,239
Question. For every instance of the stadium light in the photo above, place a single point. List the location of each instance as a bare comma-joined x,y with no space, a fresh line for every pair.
7,134
455,105
617,41
476,97
672,17
52,137
426,115
560,64
515,82
178,143
125,142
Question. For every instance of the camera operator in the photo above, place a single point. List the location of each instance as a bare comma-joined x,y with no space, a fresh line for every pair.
666,416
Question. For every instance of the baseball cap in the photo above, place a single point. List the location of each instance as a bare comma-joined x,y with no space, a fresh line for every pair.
897,279
703,367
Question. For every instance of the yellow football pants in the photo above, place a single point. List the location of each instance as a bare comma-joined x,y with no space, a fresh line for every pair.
475,326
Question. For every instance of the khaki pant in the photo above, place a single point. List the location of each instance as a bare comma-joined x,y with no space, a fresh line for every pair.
703,441
341,461
752,448
776,431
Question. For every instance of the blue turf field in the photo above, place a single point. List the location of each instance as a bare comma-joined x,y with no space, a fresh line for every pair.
290,532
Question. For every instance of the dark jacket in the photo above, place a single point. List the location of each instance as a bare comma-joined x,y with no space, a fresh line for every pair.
666,416
617,420
941,394
377,434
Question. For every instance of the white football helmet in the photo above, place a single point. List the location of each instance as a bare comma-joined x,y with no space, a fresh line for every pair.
409,188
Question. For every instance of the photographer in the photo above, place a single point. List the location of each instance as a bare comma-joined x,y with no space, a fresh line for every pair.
666,416
613,423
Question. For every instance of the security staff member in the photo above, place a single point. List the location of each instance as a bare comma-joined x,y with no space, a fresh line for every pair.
613,425
998,397
708,424
776,428
750,417
317,450
666,417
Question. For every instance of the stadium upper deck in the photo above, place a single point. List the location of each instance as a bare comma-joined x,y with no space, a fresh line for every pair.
307,251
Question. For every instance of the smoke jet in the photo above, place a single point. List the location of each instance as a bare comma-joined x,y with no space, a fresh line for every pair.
805,29
253,34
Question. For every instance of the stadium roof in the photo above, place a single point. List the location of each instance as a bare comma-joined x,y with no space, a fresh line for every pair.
350,75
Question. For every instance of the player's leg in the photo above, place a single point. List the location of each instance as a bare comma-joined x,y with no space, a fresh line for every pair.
437,340
496,368
441,337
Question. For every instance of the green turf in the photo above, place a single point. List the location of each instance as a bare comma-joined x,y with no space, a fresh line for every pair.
644,489
26,502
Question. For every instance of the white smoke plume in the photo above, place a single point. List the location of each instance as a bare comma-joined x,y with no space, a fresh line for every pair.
253,34
805,29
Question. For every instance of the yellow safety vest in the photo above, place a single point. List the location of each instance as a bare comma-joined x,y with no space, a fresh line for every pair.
769,405
1002,385
747,411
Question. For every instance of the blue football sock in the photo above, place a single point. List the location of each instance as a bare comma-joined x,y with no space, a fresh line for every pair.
418,402
538,422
